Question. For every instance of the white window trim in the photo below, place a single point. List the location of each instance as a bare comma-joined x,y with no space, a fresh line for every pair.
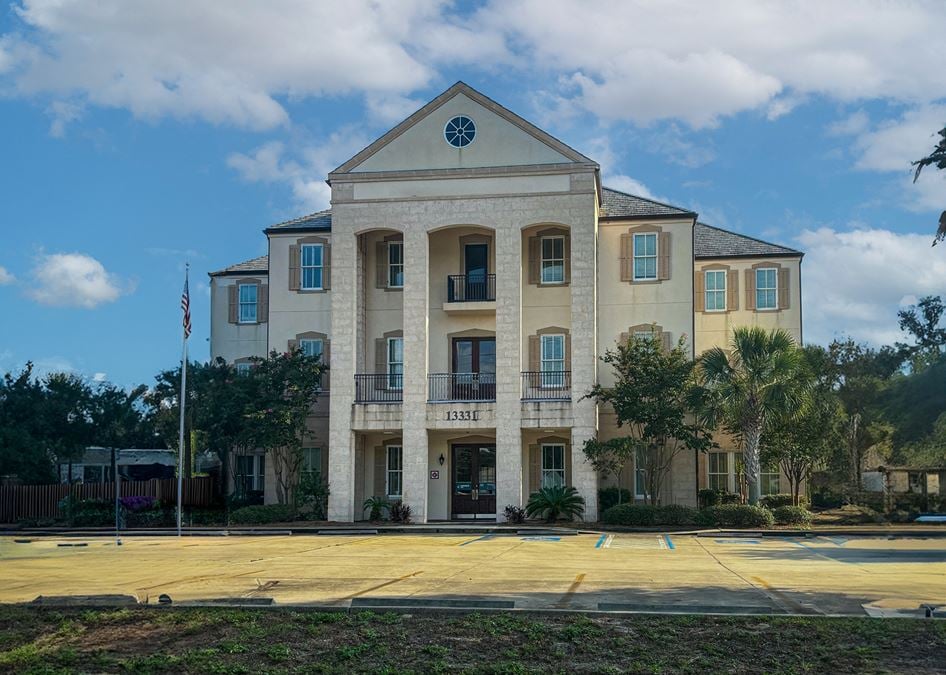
240,304
730,474
307,467
303,267
635,256
543,471
391,266
393,384
639,470
243,368
724,290
257,477
388,471
543,260
553,379
313,340
774,288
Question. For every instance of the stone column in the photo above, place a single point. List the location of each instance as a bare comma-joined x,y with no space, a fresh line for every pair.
345,281
508,243
584,352
414,407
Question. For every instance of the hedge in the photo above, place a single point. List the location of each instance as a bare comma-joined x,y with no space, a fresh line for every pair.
608,497
644,515
792,515
257,515
736,515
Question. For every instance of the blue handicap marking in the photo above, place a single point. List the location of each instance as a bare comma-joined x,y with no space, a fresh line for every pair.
541,538
736,541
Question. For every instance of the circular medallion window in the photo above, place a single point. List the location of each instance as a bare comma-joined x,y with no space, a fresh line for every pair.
459,131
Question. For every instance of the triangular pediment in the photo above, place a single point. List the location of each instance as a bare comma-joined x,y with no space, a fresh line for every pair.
502,139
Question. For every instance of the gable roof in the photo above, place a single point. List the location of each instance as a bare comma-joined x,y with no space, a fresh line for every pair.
486,102
616,204
320,221
254,266
715,242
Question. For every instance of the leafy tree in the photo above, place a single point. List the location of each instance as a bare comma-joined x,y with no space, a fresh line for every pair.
285,386
936,158
649,398
22,448
922,322
118,417
67,416
742,390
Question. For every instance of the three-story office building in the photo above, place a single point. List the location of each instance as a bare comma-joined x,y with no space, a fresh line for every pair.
469,274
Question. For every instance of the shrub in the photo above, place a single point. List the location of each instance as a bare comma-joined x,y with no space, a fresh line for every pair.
92,513
736,515
376,507
608,497
134,503
556,503
400,513
515,514
792,515
312,497
645,515
775,501
730,498
826,500
257,515
707,497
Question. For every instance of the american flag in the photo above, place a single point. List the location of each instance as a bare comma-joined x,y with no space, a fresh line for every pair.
186,306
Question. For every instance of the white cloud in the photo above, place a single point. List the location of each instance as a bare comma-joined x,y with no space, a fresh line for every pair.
853,125
6,277
62,113
882,270
74,280
99,377
630,185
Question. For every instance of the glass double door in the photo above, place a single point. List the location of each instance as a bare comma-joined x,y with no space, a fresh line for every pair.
474,367
474,481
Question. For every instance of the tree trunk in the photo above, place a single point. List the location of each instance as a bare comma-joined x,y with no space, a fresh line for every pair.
751,457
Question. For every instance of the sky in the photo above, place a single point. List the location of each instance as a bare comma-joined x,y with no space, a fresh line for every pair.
137,136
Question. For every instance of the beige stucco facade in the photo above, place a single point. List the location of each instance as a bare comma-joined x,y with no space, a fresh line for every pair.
467,294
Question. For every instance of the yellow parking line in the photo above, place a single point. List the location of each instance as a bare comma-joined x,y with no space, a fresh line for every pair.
385,584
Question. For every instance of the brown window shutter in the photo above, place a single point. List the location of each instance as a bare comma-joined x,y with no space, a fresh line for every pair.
262,311
699,291
663,256
327,267
535,262
568,464
323,464
568,351
665,340
327,363
567,251
292,345
535,468
381,264
783,289
624,337
750,289
732,290
381,362
535,353
380,471
295,268
627,258
234,305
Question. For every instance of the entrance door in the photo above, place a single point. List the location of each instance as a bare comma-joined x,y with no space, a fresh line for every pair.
474,481
474,367
476,268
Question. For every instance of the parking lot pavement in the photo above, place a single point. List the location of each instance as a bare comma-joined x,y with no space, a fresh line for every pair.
628,572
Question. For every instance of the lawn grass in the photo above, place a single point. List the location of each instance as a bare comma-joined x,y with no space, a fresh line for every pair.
231,640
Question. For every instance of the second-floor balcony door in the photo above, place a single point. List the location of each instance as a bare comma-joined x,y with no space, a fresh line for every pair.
474,367
476,268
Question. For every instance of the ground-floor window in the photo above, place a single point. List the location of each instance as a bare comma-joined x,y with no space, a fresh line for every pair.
395,471
718,466
553,465
769,482
640,475
724,471
250,472
312,464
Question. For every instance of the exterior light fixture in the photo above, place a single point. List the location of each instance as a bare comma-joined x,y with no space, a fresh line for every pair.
442,459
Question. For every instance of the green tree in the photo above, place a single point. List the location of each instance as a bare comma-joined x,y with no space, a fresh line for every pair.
650,399
67,416
922,322
23,451
936,158
743,389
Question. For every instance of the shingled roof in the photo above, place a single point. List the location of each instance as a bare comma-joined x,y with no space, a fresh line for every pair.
617,204
714,242
254,266
320,221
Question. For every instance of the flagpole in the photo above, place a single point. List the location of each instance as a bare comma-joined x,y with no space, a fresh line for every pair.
183,399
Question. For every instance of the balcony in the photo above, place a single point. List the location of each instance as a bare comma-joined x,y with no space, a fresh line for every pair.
461,387
471,293
547,386
379,388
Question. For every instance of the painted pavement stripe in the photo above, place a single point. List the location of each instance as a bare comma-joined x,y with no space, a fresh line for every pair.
669,542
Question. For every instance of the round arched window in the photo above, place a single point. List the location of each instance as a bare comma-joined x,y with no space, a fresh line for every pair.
459,131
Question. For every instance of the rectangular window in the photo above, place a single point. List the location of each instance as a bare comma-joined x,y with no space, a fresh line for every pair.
552,363
640,475
248,302
766,288
396,264
312,463
395,363
716,291
553,465
395,471
769,483
553,260
311,347
311,267
718,469
250,471
243,368
645,256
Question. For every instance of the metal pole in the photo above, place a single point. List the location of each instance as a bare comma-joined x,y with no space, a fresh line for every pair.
118,540
180,446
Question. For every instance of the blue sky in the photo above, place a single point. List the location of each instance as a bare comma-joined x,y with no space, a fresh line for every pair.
136,137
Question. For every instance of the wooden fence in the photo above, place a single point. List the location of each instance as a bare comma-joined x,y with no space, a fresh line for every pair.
42,501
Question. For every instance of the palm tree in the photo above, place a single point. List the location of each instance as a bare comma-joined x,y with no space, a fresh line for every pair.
758,379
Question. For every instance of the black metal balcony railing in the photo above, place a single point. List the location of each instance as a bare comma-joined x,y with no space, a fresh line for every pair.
461,387
554,385
379,388
471,287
